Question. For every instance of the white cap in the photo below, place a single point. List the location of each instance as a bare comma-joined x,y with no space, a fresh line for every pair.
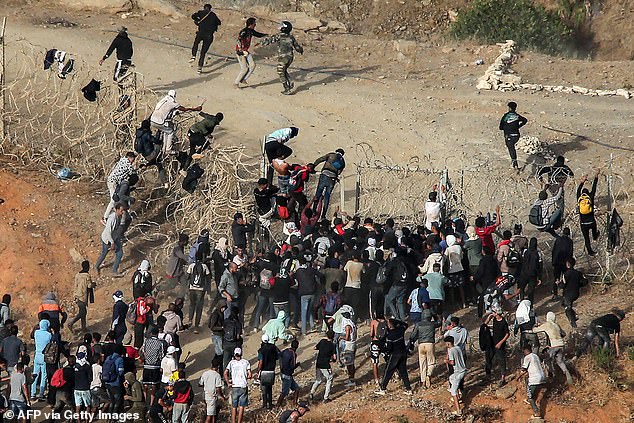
171,93
238,351
265,338
172,349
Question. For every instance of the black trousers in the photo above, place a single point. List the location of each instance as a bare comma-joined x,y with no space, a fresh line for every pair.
510,141
586,227
206,39
396,363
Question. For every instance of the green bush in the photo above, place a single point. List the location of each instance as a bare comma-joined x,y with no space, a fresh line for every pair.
528,24
604,358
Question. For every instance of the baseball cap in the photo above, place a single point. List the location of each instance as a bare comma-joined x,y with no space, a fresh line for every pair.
265,338
237,351
303,404
172,349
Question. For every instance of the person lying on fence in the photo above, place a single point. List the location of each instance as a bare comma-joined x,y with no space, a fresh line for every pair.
120,172
150,147
550,213
200,138
162,118
276,141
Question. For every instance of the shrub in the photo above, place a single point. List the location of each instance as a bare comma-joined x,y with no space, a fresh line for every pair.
603,358
526,23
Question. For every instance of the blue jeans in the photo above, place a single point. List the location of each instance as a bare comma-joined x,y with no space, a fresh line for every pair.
324,188
394,302
39,370
306,302
216,340
118,255
263,309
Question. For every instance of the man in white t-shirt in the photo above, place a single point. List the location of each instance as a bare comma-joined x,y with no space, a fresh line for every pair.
432,209
211,382
161,118
532,366
168,364
240,371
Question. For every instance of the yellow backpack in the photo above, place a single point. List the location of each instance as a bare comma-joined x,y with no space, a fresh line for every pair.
585,204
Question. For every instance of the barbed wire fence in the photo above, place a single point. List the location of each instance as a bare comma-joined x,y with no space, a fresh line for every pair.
385,188
50,125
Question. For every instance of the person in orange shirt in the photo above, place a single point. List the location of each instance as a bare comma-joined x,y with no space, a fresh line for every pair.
54,310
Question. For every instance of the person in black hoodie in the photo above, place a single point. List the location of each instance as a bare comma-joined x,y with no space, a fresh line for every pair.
207,23
150,148
511,123
573,281
532,268
397,350
239,230
487,272
563,249
267,360
587,221
123,45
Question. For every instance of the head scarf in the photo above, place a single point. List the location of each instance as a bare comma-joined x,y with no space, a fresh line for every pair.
471,233
221,246
522,314
450,240
144,267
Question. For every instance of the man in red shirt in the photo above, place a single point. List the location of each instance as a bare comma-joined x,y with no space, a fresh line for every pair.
486,232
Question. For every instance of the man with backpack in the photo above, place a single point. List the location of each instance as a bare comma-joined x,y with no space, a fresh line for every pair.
162,118
334,165
207,23
153,351
510,124
545,213
150,147
198,278
587,220
112,377
232,335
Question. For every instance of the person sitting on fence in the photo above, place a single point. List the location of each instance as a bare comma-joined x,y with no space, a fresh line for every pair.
545,214
274,142
283,170
334,164
162,118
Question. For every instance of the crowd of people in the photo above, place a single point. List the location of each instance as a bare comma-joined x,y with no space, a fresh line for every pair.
322,271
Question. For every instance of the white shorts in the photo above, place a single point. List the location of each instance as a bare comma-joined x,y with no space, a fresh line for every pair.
211,405
454,382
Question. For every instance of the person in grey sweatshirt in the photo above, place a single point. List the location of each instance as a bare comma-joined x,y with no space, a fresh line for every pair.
228,287
424,332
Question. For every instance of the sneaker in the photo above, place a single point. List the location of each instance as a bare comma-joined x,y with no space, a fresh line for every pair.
183,173
409,392
287,92
196,330
193,59
327,400
350,384
118,274
200,70
380,392
34,399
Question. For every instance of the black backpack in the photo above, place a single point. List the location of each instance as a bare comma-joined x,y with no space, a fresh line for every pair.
535,215
381,274
514,257
231,331
485,338
197,276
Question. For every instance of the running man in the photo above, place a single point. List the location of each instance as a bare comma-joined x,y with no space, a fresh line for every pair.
207,23
123,45
511,123
245,58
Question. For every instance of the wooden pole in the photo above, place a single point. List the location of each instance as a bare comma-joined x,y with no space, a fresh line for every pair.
3,129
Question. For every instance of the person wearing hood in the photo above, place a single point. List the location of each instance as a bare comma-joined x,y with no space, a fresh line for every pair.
435,257
173,322
459,334
510,124
83,285
142,280
51,307
123,46
150,147
532,269
276,328
42,338
83,379
525,321
134,394
119,311
455,272
267,360
112,375
162,116
555,352
220,257
177,260
587,220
